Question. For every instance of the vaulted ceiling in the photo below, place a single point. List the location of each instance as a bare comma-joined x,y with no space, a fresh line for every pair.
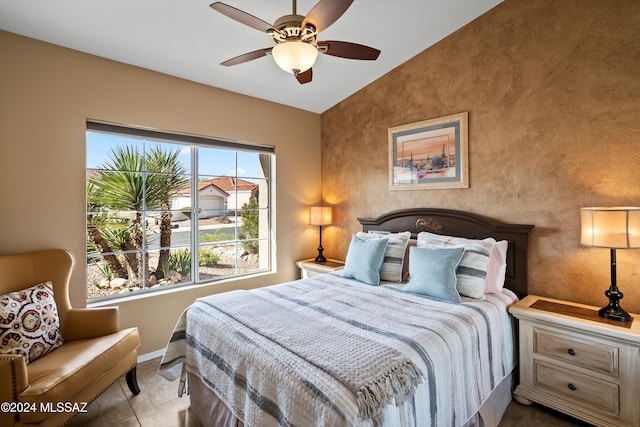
187,39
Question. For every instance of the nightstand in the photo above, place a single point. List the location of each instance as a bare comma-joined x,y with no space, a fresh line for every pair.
578,363
310,268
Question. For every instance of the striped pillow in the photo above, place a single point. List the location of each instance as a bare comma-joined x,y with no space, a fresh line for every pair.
472,270
394,256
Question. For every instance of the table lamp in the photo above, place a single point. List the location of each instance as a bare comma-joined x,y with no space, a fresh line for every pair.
320,215
612,228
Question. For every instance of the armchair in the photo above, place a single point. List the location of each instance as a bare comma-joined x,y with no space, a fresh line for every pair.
94,354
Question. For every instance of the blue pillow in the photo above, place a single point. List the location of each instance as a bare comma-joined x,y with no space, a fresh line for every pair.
364,260
432,272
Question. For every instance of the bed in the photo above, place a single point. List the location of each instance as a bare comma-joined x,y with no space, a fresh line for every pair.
333,350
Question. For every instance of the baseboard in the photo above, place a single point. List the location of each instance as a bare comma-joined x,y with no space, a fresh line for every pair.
148,356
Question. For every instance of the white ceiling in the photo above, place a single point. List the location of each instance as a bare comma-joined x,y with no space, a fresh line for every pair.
188,39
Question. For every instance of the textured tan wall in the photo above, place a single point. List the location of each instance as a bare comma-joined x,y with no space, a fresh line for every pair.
46,95
553,94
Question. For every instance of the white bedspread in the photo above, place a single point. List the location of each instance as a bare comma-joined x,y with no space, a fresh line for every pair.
259,369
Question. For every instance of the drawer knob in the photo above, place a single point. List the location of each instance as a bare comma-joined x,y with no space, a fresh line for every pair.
572,352
572,386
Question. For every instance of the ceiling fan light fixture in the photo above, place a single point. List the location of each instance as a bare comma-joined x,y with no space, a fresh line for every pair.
295,56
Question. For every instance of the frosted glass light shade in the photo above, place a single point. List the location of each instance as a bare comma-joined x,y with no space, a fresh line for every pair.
320,215
615,228
293,55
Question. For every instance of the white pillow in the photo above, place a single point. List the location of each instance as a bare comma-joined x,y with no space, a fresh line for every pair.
394,256
472,270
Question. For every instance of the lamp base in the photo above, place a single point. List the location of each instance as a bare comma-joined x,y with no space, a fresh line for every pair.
613,312
320,258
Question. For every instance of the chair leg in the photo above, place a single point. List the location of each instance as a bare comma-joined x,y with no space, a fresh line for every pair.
132,381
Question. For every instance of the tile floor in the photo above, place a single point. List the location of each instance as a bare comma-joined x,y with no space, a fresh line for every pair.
157,405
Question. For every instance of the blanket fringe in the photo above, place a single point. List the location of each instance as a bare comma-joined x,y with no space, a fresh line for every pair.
397,385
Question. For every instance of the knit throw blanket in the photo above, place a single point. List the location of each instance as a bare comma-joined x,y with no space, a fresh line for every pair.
377,374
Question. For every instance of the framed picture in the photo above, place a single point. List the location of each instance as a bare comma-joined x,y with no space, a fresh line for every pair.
430,154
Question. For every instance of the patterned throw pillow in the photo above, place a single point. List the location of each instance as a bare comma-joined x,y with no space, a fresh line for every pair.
29,323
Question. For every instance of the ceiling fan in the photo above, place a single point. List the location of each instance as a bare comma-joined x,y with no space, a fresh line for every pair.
296,46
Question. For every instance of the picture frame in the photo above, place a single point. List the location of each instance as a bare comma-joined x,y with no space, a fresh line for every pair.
431,154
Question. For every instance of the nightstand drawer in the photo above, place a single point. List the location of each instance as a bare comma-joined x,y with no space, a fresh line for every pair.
579,388
587,354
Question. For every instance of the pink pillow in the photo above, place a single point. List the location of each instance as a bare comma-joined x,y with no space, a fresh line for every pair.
497,268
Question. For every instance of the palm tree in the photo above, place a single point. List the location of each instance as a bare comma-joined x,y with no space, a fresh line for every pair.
119,193
167,177
97,224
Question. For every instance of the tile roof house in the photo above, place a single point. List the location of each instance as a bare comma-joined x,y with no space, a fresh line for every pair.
240,191
216,197
212,201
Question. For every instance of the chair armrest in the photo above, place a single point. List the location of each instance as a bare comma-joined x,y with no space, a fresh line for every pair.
13,371
82,323
13,368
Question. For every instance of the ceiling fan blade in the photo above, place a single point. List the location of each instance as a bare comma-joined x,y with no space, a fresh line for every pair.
305,76
325,13
245,57
348,50
243,17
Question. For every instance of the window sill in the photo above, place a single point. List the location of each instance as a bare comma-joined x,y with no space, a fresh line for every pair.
153,293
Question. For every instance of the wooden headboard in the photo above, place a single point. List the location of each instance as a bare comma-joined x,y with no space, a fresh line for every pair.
462,224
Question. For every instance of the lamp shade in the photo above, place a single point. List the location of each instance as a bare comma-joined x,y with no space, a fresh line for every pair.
614,227
320,215
294,56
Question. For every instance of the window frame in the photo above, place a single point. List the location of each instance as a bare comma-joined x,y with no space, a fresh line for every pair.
195,143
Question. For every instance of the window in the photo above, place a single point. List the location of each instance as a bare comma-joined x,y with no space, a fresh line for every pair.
165,210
